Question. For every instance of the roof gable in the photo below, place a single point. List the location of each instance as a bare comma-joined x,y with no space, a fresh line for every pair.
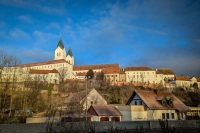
80,97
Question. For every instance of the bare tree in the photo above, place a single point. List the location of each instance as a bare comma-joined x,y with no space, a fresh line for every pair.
63,73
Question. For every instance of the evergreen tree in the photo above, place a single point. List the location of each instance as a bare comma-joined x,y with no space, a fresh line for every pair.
90,74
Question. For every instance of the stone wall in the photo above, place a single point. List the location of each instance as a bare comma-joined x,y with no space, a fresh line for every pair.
99,126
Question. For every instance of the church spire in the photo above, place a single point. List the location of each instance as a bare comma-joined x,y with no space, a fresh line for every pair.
70,52
60,44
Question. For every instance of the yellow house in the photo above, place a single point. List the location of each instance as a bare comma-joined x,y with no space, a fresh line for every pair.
157,105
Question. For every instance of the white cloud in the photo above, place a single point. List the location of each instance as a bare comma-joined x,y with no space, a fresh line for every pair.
35,55
19,34
53,25
43,38
37,5
25,18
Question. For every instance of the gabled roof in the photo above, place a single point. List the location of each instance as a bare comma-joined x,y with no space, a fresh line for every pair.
76,97
34,71
43,63
151,99
101,66
60,44
112,70
165,71
104,110
139,68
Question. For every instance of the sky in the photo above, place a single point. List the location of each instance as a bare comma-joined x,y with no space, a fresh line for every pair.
153,33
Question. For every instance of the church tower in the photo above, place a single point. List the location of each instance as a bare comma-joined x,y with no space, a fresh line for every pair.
60,52
70,57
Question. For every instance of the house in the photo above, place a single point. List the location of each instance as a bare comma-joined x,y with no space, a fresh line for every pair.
104,113
85,99
158,105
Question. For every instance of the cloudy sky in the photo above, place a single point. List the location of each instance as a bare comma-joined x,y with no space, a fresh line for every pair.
154,33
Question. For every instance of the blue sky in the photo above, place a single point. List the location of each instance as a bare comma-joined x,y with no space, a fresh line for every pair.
154,33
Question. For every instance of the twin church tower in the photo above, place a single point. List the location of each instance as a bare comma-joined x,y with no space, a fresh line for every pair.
60,53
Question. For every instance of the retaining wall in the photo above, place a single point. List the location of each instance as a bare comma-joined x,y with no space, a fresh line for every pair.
99,126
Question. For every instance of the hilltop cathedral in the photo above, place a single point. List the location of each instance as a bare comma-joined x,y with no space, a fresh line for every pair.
51,71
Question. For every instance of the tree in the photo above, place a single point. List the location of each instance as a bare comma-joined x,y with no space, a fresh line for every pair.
63,73
100,76
90,74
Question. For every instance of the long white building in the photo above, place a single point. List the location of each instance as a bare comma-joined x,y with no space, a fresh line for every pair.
63,67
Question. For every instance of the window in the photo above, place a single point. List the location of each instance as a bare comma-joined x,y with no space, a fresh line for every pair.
167,115
140,102
172,115
163,115
135,102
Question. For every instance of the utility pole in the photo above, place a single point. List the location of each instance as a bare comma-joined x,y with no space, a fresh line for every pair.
86,77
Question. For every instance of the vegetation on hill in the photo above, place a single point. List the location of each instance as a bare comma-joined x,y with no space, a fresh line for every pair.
26,98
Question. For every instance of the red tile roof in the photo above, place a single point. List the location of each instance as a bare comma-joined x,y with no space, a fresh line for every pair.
151,99
111,70
43,63
43,71
139,68
165,71
183,78
104,110
76,68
